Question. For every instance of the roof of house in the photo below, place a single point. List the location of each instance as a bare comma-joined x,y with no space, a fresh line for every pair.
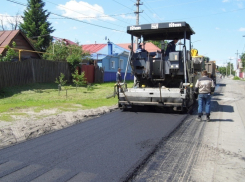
66,41
93,48
7,36
100,51
150,47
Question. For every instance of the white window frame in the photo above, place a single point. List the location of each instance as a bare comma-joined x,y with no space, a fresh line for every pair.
112,64
121,65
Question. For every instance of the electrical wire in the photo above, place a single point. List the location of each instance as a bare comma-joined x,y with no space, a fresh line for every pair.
147,14
101,16
129,8
79,12
152,11
72,18
208,15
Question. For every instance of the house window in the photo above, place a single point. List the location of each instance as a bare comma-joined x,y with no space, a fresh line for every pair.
121,63
113,64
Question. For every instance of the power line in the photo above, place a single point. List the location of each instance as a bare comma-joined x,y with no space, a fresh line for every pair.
79,12
208,15
127,7
72,18
101,16
87,22
152,11
177,4
147,14
123,5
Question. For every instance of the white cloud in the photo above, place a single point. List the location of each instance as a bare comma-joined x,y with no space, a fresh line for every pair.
240,5
241,29
223,9
74,28
217,28
6,20
128,17
225,1
156,16
82,10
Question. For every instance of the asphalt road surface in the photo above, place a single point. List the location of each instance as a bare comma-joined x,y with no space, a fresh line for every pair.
182,156
109,148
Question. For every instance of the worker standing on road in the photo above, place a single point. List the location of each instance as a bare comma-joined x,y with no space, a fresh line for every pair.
171,46
119,76
204,87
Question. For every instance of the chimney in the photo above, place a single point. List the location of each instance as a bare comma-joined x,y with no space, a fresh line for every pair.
109,47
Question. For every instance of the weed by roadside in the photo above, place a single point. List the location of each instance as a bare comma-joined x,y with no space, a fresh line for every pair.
45,96
236,78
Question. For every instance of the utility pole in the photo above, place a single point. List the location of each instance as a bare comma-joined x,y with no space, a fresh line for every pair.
230,66
237,59
226,68
137,12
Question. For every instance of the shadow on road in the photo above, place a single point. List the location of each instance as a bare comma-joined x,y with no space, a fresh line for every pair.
221,120
221,85
222,108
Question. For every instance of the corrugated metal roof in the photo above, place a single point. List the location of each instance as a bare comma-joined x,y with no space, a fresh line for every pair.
6,37
69,42
150,47
66,41
93,48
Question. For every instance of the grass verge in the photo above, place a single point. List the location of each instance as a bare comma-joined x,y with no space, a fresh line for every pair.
45,96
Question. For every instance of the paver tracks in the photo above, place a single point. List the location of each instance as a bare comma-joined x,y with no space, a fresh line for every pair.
107,148
176,158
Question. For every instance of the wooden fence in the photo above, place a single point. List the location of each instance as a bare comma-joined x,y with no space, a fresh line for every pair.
32,71
98,75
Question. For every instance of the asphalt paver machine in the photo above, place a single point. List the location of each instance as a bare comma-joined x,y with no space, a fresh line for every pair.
161,81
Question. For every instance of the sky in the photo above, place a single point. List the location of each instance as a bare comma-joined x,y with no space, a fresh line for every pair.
219,25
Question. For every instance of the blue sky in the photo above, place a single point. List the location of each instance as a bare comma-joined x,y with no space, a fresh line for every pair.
219,24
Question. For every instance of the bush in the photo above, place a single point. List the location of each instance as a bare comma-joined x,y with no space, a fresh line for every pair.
236,78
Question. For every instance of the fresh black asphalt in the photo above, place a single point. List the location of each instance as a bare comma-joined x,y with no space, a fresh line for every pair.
104,149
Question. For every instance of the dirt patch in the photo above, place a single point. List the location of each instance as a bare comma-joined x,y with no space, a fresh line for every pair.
26,128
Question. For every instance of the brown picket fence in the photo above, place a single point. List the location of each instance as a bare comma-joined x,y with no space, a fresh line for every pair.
32,71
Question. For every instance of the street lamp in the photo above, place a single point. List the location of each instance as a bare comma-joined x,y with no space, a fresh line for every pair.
193,42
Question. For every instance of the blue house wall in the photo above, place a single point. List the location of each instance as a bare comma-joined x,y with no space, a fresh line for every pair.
110,58
111,63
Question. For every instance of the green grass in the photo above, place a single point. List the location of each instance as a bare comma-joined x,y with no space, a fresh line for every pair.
37,97
236,78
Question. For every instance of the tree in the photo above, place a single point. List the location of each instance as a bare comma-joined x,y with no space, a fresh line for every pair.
226,69
79,80
10,22
35,24
60,81
243,61
222,70
10,54
59,51
230,68
158,43
75,56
